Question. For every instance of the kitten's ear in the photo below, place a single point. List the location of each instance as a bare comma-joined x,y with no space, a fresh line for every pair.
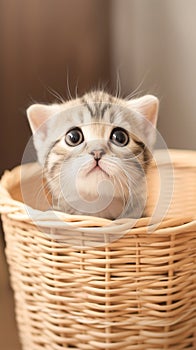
148,106
38,117
39,114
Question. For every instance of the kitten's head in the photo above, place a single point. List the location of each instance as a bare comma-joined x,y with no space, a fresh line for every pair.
95,152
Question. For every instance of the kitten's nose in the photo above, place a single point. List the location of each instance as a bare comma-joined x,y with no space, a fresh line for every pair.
97,153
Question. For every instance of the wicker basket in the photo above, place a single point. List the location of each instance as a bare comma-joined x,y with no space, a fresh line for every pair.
137,292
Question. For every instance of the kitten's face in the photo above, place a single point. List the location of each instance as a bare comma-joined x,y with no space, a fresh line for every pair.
95,152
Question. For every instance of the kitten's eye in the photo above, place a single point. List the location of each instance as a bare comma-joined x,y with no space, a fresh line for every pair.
74,137
119,137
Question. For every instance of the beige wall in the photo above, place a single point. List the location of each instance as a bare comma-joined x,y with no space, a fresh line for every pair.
154,41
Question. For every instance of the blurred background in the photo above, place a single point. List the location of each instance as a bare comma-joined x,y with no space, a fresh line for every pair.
49,47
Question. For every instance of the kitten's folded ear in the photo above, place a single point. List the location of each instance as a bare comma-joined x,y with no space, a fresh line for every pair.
148,107
39,117
39,114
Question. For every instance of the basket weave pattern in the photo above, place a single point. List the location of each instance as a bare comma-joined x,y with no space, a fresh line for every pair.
135,293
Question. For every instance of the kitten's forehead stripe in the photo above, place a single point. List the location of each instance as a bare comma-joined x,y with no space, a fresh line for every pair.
97,104
105,107
85,103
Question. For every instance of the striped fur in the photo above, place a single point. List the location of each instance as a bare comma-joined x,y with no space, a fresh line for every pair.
116,186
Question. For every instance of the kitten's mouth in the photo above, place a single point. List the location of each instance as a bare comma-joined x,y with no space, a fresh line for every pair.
96,167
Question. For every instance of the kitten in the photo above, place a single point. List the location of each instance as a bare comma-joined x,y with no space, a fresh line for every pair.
95,151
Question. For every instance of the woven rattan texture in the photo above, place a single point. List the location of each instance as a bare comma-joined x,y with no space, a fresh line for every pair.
135,293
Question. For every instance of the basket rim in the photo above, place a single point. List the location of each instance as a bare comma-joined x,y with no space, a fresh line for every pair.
18,211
